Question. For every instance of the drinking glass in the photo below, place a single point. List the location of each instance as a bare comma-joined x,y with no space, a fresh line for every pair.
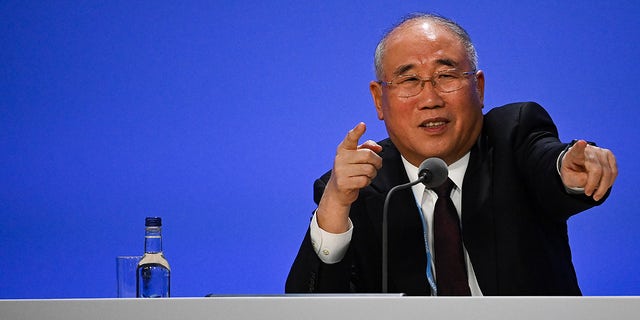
126,275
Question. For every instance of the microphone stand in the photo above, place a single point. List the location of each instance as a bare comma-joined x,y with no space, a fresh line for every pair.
385,231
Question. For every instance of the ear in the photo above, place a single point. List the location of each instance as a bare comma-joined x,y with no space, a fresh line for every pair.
376,93
480,85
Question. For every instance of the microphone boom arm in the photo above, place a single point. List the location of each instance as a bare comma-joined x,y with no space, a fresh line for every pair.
385,232
432,173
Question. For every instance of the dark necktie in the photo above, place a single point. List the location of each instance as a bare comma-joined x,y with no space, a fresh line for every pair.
451,272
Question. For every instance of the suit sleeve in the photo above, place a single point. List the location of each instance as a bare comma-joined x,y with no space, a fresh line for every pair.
537,148
308,273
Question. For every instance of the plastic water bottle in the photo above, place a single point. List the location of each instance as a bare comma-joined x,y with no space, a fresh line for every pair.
153,273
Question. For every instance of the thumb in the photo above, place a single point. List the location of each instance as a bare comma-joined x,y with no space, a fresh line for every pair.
575,155
350,142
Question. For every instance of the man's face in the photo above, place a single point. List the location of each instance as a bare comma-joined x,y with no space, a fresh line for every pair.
431,123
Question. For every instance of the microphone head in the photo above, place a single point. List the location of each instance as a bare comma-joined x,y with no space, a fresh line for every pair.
433,172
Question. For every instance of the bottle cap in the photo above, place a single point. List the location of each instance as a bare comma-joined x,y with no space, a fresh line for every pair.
153,222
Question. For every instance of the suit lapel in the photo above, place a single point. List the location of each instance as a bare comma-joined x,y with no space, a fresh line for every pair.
477,216
407,255
391,175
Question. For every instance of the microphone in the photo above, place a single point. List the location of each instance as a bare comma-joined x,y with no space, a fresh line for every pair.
432,173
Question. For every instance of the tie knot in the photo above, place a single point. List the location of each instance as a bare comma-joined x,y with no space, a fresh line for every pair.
444,190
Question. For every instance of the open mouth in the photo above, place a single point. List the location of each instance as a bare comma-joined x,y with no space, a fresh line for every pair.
433,123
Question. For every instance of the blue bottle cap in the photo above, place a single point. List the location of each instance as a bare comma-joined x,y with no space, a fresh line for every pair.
153,222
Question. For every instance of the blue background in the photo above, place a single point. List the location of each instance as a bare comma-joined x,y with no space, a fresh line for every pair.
218,116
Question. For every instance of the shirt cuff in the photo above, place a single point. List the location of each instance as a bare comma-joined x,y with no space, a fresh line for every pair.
330,247
569,190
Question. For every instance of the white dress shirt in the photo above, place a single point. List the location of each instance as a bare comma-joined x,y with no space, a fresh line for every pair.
427,200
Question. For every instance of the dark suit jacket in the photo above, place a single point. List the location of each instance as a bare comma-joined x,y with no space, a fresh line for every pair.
514,213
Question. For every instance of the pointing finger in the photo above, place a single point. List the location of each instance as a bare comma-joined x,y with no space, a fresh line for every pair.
350,142
575,154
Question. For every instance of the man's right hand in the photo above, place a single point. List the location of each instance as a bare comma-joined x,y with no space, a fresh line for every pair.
353,169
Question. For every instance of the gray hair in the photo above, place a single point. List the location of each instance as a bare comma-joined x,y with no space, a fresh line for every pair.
460,32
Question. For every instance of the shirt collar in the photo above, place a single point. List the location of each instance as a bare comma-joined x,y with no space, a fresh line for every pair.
456,171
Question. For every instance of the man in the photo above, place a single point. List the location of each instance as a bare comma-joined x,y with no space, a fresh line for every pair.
514,183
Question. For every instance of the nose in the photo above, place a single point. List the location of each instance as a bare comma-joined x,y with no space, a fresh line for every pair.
429,97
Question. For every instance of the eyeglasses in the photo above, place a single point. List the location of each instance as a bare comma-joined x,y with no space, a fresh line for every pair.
409,85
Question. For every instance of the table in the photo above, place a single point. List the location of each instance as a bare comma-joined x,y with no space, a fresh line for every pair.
352,307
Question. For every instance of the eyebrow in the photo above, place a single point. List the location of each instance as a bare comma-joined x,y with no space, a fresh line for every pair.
402,69
447,62
406,67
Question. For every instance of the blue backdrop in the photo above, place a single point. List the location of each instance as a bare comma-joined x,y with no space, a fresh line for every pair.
218,116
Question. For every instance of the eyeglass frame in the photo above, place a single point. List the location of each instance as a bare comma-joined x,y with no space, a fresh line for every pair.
430,80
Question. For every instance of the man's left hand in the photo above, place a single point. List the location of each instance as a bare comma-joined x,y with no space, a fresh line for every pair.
589,167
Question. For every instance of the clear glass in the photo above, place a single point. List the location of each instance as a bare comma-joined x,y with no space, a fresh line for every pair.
126,276
409,85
